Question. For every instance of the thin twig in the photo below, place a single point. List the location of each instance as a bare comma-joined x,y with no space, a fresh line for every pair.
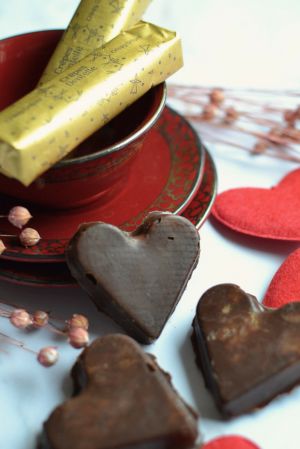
16,342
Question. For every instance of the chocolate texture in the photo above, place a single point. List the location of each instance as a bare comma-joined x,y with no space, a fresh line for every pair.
123,400
136,278
248,353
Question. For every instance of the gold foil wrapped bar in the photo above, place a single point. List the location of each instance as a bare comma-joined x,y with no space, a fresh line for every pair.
49,122
94,23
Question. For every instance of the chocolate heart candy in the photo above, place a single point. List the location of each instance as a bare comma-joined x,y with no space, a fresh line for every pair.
248,353
125,401
136,278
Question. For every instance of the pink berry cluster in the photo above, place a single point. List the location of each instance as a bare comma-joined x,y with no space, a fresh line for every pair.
276,129
210,110
75,330
283,133
19,216
217,98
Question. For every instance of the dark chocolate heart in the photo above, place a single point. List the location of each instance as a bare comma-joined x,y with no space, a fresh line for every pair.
136,278
248,353
125,401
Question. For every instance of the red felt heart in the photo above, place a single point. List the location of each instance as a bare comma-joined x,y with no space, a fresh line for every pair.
285,285
230,442
270,213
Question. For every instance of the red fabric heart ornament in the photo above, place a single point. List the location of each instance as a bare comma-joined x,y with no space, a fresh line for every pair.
230,442
270,213
285,285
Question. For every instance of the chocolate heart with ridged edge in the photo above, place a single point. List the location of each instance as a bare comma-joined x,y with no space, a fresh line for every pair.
248,353
123,400
136,278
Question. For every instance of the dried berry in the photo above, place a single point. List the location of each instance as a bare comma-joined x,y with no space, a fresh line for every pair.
216,96
78,320
290,116
231,115
78,337
29,237
2,247
40,318
20,318
260,147
209,112
18,216
48,356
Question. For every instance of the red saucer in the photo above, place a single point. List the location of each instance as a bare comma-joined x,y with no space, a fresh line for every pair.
36,274
165,176
57,274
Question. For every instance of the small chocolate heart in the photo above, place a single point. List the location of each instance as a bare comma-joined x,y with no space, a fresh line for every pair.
248,353
125,401
136,278
268,213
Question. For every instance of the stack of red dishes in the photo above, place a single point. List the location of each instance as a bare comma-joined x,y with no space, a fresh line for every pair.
148,158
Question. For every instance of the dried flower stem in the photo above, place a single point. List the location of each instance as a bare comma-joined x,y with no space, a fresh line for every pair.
274,139
28,237
276,154
18,306
5,313
19,317
258,120
16,342
277,135
239,90
194,94
75,330
294,134
18,216
8,235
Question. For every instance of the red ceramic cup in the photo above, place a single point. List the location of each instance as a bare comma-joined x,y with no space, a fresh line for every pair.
99,167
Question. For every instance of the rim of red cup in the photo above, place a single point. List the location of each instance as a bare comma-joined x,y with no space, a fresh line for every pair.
145,125
142,129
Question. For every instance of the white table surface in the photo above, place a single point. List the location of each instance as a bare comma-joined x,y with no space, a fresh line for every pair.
243,43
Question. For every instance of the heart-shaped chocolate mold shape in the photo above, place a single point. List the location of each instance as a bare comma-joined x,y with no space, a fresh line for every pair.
268,213
125,401
248,353
136,278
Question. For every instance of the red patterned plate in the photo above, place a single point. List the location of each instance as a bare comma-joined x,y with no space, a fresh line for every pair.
36,274
165,176
57,274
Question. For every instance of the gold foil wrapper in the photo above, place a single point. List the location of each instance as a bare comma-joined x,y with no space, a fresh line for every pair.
94,23
49,122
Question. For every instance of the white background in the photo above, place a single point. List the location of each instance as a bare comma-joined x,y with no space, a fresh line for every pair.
234,42
237,43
